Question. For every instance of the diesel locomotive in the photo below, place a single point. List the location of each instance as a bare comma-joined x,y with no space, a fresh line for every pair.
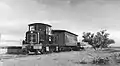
40,38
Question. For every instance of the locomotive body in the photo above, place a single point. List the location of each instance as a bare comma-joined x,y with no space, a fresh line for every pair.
40,38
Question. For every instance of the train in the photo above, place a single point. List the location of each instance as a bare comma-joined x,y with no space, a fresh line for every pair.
41,38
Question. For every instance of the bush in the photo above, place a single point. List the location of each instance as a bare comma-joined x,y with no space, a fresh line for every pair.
116,57
98,40
100,60
81,62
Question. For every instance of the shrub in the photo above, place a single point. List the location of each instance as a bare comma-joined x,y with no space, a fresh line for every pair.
100,60
81,62
98,40
116,57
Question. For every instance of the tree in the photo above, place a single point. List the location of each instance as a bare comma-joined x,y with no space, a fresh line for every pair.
97,40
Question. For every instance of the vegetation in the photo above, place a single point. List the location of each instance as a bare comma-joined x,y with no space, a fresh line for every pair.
101,60
97,40
116,57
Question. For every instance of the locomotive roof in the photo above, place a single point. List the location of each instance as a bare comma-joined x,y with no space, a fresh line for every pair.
39,24
64,31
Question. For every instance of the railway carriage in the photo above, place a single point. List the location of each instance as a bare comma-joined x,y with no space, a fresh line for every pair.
66,40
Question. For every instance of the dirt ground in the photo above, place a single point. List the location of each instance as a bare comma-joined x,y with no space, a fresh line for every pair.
55,59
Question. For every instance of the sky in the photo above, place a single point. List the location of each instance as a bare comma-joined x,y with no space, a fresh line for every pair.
77,16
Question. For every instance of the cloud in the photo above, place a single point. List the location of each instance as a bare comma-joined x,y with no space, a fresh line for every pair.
19,27
73,15
5,11
4,7
5,37
85,12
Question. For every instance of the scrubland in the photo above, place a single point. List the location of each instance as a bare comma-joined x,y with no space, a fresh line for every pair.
88,57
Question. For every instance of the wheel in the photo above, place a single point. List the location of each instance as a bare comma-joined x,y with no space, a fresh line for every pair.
37,52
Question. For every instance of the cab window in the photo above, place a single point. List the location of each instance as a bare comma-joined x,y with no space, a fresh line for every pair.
32,28
48,30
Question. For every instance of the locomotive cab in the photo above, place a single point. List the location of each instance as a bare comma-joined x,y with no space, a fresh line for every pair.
37,37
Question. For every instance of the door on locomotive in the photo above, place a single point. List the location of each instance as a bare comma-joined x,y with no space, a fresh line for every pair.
38,38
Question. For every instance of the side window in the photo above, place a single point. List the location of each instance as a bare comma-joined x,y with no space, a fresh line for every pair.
56,38
50,38
48,30
32,28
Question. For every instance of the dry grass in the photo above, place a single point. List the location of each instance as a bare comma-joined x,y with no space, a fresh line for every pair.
89,57
100,60
9,56
104,57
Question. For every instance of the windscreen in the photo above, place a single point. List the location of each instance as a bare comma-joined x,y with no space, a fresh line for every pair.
32,37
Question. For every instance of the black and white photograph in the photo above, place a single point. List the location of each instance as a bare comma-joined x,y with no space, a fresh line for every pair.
59,32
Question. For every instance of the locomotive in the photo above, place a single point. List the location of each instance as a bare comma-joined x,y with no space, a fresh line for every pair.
40,38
